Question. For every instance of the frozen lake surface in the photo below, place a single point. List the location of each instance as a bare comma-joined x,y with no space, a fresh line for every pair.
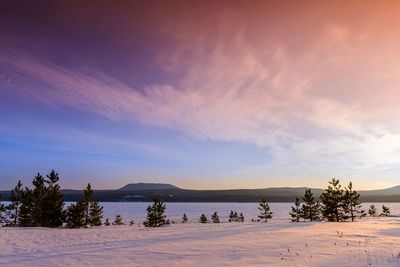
137,210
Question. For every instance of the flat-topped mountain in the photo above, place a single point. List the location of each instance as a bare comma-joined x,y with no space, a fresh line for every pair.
147,186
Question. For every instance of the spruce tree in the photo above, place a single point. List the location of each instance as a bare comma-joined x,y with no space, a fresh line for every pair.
155,214
215,217
332,200
352,203
310,209
265,212
14,207
296,213
184,218
203,218
53,202
372,211
385,211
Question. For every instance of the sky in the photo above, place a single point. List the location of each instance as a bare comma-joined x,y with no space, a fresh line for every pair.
200,94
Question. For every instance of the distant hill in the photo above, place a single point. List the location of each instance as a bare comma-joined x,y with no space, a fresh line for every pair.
147,186
144,192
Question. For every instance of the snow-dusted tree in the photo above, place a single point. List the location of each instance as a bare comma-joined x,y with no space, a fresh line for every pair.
264,209
155,214
352,204
332,200
203,218
215,217
118,220
184,218
296,213
310,209
14,207
372,211
385,211
107,222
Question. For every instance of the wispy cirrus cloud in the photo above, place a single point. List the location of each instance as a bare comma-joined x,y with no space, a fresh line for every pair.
265,94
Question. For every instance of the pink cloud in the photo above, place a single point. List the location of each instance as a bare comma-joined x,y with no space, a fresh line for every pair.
262,93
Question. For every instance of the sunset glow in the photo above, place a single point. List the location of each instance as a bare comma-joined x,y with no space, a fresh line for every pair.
227,94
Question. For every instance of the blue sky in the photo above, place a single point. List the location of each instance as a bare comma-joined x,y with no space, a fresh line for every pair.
211,94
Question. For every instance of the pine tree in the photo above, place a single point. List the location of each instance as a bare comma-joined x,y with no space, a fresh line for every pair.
2,212
14,207
93,210
203,218
155,214
184,218
76,215
118,220
86,201
352,204
265,212
385,211
86,212
372,211
26,218
332,200
53,214
215,217
107,222
296,213
241,217
310,209
233,216
39,193
95,213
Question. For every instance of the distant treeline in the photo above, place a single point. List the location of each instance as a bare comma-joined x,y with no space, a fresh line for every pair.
185,195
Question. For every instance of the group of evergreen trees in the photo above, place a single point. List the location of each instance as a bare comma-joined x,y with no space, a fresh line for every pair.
373,212
43,206
337,204
86,212
234,217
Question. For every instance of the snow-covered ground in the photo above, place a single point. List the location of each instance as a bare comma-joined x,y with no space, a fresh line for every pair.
369,242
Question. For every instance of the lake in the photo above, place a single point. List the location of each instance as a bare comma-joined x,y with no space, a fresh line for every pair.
136,211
